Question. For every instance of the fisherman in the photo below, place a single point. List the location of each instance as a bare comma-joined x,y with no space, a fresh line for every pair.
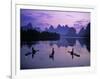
52,54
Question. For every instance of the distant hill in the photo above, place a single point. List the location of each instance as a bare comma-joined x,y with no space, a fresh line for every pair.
30,26
70,31
62,30
85,32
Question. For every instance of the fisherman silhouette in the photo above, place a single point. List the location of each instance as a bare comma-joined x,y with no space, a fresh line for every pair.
73,54
33,52
52,54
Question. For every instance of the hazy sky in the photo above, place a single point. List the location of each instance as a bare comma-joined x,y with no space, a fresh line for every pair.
45,18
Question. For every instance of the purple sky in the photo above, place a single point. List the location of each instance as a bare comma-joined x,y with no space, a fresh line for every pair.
45,18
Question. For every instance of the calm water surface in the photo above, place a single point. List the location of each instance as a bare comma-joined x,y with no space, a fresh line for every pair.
66,52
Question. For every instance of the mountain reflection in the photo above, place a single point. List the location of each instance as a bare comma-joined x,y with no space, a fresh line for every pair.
63,42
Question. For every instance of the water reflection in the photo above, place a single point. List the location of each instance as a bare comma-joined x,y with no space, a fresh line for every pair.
29,43
86,42
66,52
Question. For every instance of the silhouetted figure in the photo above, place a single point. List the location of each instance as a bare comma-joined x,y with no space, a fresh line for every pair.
52,54
33,52
73,54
